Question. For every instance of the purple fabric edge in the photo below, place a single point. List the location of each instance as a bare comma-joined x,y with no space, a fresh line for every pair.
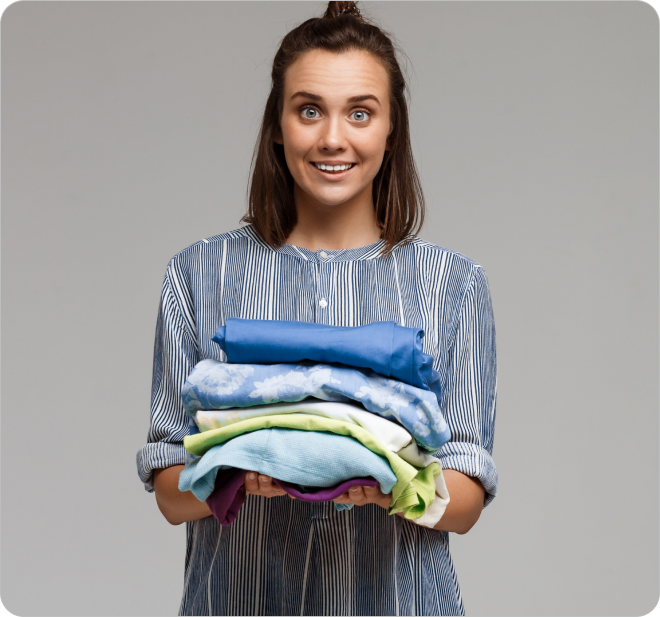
325,493
228,495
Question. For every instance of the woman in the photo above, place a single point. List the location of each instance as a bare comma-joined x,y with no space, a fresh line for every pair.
334,203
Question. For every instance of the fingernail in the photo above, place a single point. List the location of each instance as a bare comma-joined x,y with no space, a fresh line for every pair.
264,480
353,489
252,476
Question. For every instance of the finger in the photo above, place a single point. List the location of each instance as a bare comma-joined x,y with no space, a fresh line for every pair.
265,485
343,498
372,493
268,488
357,495
251,483
277,489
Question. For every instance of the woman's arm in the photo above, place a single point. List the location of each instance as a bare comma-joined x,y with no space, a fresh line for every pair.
464,508
466,501
178,507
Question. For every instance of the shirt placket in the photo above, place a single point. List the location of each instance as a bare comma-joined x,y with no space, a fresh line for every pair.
323,286
323,298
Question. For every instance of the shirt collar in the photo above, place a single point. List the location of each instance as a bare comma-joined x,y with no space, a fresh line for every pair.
322,255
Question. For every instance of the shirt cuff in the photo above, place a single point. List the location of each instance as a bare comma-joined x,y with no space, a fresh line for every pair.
472,460
159,455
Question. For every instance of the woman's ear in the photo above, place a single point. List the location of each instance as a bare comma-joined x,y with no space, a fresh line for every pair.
388,145
277,138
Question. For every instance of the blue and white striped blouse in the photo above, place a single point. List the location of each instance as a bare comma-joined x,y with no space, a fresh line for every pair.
290,557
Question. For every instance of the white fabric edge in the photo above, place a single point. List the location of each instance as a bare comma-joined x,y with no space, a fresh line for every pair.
436,510
392,435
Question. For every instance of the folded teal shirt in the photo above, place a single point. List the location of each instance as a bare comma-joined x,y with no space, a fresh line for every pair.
383,346
299,457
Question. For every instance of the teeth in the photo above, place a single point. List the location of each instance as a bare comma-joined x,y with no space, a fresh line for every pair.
324,167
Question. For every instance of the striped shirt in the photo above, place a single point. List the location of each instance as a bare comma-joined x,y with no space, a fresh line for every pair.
290,557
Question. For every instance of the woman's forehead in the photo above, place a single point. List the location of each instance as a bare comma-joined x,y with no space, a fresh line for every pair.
337,75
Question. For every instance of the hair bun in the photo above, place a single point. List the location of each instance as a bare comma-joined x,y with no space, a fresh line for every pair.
336,9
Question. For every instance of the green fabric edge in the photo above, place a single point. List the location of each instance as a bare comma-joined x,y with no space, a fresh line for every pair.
405,473
424,484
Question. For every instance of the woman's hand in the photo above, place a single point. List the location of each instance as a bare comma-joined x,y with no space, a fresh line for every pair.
465,504
259,484
362,495
463,510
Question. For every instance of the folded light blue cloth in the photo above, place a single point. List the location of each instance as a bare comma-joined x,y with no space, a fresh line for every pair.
219,385
384,347
301,457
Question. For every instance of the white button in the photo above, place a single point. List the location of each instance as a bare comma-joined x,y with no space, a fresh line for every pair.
323,303
323,254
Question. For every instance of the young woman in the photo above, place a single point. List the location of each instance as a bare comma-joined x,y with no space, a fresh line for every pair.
334,204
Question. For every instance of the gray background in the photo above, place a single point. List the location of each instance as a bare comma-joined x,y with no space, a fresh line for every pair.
127,131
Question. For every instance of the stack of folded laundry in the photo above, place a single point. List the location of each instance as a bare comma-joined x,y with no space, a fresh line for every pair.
319,409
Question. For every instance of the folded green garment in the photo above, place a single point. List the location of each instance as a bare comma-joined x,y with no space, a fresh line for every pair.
413,492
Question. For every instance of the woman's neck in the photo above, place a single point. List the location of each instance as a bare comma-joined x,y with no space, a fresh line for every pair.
349,225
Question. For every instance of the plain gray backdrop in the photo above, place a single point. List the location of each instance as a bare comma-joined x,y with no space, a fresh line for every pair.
127,133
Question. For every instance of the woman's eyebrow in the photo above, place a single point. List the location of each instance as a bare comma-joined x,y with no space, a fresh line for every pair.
353,99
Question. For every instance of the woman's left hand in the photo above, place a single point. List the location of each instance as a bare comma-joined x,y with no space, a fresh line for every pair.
261,484
362,495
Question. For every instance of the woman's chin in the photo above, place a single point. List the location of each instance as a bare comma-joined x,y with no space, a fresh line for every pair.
332,198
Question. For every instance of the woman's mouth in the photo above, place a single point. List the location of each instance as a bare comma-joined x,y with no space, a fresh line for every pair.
334,170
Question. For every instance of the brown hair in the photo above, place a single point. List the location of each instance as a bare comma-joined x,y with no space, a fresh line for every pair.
397,191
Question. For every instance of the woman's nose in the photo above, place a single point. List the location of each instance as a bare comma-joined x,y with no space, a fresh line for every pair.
332,135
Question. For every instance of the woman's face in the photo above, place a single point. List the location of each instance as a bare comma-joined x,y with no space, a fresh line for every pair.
336,112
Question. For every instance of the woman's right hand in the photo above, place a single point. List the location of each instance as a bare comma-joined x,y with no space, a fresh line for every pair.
259,484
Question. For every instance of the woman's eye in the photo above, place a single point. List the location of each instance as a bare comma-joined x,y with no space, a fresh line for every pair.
360,116
310,113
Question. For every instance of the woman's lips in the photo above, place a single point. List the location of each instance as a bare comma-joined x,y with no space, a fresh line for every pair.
334,175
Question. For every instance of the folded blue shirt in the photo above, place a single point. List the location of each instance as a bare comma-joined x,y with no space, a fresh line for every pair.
302,457
383,346
219,385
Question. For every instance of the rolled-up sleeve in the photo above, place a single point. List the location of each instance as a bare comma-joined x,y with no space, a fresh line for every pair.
469,398
175,354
